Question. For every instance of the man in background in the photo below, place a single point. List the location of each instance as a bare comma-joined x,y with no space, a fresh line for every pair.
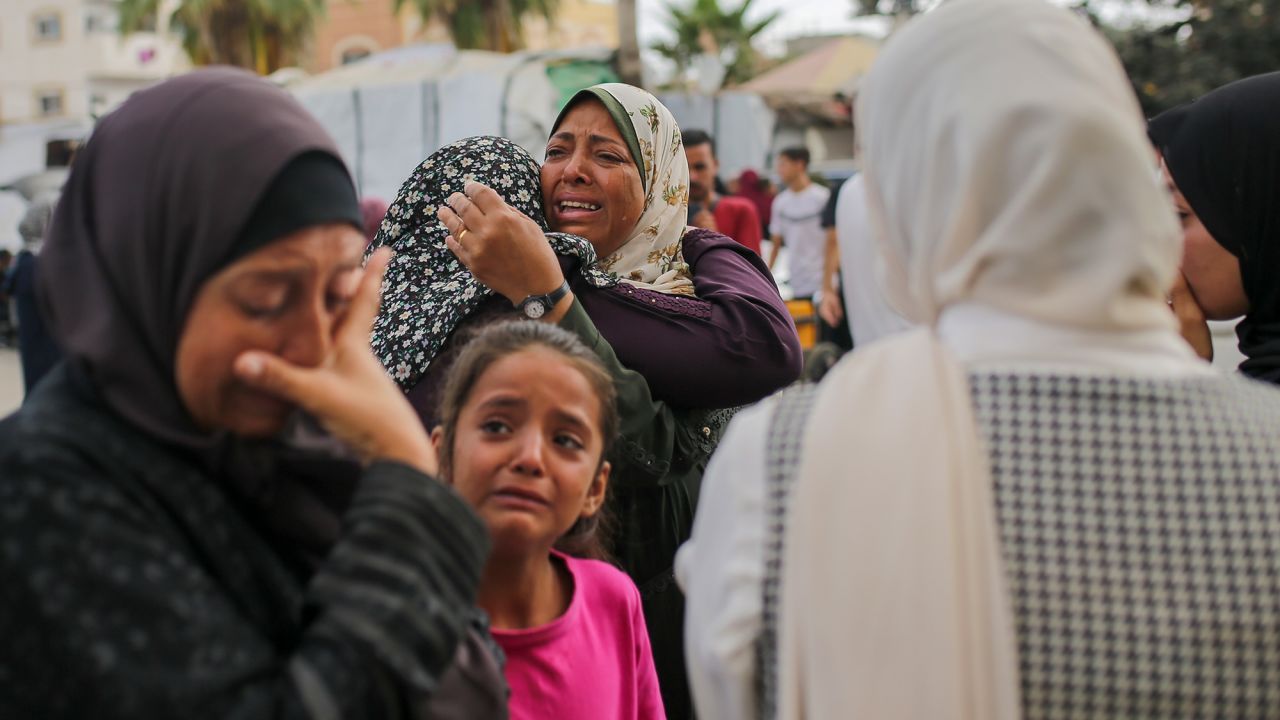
7,330
831,310
732,216
797,223
36,349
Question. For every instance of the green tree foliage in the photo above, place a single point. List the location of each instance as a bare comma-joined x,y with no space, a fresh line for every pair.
1213,42
704,26
261,35
483,24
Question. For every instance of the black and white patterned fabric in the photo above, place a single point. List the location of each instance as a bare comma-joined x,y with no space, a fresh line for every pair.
1140,527
427,291
1140,522
782,459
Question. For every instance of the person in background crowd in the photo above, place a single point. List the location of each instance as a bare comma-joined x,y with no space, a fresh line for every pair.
866,308
731,216
7,331
37,349
372,210
835,321
219,505
688,321
527,420
797,223
1040,503
1221,160
756,189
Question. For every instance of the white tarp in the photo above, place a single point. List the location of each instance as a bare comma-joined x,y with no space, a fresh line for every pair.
741,123
336,110
692,110
389,112
398,133
744,133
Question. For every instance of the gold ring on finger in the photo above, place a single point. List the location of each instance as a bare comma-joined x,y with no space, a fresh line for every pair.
463,234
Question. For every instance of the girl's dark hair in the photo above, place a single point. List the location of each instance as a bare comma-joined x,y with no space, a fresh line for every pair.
499,340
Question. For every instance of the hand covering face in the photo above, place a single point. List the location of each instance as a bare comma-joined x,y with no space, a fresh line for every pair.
165,194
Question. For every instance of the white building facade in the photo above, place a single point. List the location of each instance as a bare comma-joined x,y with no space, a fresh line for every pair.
63,63
66,59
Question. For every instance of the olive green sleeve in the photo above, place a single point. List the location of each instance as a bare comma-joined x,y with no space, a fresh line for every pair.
648,438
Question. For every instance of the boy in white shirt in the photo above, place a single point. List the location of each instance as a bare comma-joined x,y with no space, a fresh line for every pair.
797,223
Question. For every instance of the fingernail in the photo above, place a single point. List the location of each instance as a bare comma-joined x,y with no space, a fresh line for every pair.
250,365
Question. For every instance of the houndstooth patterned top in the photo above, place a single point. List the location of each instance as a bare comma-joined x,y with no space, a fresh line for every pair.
1140,527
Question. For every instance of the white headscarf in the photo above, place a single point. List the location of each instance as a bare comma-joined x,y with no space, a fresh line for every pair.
34,226
653,255
1006,165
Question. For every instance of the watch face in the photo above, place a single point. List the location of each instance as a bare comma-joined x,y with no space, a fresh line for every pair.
534,309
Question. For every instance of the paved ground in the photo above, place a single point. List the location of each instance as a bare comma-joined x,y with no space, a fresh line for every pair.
10,382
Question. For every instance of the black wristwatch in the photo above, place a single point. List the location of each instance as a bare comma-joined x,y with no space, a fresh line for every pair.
535,306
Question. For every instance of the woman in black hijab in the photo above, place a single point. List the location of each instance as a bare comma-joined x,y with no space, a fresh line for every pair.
1221,155
179,538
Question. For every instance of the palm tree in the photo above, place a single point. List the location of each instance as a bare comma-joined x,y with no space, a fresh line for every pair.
261,35
483,24
705,27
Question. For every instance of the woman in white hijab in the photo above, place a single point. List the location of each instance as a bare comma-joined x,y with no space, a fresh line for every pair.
1039,503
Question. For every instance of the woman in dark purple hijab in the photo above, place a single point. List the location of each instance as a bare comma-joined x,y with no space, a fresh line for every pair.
219,505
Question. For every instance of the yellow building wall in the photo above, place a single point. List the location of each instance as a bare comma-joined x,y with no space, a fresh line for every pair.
353,26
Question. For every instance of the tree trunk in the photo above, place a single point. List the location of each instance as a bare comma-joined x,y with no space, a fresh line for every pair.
232,37
628,44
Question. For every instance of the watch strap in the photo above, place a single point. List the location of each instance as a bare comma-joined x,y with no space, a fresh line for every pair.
549,300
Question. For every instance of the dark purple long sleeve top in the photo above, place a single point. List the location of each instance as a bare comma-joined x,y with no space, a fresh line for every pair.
733,344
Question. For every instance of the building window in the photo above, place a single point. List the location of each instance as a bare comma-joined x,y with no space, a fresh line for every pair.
101,21
49,102
48,27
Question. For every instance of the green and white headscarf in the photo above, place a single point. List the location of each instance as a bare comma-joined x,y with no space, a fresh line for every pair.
653,256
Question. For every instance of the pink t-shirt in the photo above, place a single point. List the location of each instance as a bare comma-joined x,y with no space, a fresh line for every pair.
593,662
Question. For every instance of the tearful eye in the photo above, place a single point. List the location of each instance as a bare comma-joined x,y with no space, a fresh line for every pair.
262,312
569,441
494,427
263,306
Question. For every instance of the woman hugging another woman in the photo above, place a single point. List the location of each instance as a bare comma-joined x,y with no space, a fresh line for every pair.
687,322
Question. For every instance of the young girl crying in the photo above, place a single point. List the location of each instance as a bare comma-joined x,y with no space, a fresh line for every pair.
527,417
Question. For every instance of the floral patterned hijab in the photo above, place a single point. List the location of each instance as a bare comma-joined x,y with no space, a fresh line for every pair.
653,257
427,292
